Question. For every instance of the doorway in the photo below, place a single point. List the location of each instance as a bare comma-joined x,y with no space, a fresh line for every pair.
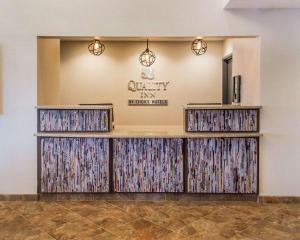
227,80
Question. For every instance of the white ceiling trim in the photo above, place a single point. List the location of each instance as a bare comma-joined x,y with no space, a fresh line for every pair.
231,4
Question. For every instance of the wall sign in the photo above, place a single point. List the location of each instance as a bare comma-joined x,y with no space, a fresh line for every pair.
147,91
153,102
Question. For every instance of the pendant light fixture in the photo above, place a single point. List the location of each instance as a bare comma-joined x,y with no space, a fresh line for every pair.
96,47
199,47
147,57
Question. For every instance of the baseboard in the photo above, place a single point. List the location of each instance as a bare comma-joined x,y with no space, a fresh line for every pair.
18,197
147,197
278,199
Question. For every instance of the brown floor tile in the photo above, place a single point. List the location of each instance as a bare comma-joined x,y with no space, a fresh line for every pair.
230,222
173,236
100,217
170,219
141,229
265,231
144,229
241,236
260,210
166,220
223,223
32,208
136,209
78,230
290,209
15,227
202,229
85,208
284,222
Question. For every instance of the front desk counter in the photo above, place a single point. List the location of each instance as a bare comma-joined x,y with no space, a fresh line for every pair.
167,161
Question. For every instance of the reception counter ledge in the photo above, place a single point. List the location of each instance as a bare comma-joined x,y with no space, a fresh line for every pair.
147,161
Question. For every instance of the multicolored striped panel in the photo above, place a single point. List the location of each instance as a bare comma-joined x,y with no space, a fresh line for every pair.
63,120
148,165
237,120
222,165
74,165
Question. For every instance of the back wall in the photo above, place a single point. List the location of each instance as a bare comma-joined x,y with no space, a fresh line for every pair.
85,78
23,21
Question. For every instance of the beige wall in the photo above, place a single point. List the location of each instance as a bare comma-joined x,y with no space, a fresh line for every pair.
90,79
23,21
48,71
246,62
1,83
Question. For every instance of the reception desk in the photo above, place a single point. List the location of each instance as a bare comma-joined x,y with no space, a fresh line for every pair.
217,151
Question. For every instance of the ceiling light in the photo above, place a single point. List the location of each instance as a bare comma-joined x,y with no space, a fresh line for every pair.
96,47
147,57
199,46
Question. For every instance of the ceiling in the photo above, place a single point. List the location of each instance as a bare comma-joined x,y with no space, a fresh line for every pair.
229,4
150,38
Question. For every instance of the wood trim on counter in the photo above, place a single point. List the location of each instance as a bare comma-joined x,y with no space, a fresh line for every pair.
146,197
150,197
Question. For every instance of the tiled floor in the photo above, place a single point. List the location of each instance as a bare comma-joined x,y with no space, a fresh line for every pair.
148,220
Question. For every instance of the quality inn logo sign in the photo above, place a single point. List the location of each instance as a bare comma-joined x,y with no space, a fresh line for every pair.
147,89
